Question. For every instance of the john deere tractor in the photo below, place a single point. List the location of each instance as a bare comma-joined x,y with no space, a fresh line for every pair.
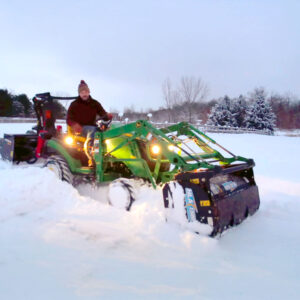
218,187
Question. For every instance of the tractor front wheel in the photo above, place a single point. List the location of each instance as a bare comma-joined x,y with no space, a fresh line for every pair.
121,193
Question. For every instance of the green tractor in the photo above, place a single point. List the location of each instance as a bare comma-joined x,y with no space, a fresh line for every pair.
218,187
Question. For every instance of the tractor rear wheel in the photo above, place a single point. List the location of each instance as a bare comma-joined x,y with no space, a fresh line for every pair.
60,167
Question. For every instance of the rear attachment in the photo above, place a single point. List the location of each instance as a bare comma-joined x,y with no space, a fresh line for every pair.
222,197
19,147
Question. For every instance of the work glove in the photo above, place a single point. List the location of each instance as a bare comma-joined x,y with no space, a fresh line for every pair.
77,128
103,123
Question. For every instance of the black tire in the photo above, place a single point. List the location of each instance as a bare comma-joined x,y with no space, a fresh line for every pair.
32,160
125,193
247,213
60,167
169,191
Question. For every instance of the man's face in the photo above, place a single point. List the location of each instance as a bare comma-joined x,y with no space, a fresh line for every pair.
84,94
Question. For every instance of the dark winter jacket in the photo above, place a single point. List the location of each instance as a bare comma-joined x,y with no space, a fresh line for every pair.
85,112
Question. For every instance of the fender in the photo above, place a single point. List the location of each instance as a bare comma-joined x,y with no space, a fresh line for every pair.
55,144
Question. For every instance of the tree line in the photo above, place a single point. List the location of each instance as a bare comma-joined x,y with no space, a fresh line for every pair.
187,101
256,113
20,106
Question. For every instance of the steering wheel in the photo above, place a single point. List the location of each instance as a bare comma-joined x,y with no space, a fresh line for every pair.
103,124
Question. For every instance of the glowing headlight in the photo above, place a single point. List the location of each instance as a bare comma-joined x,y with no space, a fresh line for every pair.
171,147
155,149
69,140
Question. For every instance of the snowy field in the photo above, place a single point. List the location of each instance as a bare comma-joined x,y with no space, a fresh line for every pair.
60,243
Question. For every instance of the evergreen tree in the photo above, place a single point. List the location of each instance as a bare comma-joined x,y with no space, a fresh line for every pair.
31,112
24,100
260,115
222,114
17,109
238,109
5,103
14,105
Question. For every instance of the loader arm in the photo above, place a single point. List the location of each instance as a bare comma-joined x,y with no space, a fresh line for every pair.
122,144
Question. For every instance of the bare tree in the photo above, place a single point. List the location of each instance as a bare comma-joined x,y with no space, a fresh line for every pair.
192,90
168,95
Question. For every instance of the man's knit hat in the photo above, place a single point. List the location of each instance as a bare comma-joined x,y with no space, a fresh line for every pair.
83,86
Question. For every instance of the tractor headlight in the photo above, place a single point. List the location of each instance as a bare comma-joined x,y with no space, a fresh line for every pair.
155,149
171,148
69,140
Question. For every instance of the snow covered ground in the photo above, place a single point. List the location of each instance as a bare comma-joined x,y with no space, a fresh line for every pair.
60,243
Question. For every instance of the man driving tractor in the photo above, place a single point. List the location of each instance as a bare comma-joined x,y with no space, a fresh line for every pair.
83,113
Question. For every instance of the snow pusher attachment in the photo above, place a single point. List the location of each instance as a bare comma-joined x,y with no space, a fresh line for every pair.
221,198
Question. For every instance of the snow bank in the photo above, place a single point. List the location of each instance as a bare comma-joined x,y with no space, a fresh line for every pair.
57,242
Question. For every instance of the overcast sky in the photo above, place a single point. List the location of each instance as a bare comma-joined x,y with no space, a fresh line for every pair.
125,49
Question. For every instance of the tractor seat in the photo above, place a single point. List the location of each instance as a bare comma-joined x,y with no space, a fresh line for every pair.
77,138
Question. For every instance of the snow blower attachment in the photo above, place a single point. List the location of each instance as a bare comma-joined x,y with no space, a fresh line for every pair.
28,147
18,147
218,187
